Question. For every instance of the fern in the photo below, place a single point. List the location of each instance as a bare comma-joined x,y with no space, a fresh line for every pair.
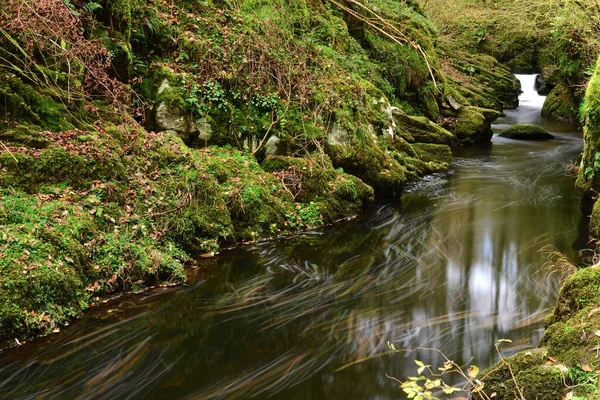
91,7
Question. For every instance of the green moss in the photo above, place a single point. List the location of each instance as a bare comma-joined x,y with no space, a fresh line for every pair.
433,153
526,132
532,378
22,135
371,164
30,106
473,124
594,227
312,180
420,129
588,179
119,14
257,202
570,329
477,79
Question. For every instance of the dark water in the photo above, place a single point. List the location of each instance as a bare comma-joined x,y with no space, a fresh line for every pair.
455,265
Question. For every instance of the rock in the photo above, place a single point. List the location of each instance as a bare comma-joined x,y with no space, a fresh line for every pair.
561,104
524,62
420,129
205,131
551,75
525,372
366,159
338,135
170,114
313,180
272,146
542,88
526,132
474,124
588,176
436,153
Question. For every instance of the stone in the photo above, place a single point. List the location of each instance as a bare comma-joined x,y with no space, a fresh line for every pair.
420,129
170,117
474,124
526,132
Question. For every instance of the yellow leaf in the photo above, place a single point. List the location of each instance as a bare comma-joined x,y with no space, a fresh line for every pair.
473,371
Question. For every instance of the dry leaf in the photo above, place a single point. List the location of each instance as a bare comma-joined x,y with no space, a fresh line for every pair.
586,368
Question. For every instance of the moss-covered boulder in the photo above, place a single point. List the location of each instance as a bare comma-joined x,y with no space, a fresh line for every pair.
588,177
561,104
473,125
420,129
433,153
526,132
525,375
566,360
313,181
367,160
476,79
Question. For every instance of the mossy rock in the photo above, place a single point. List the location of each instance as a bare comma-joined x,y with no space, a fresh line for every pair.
570,333
475,79
588,178
433,153
31,106
373,165
594,227
526,132
258,203
312,179
420,129
524,62
532,378
473,125
561,104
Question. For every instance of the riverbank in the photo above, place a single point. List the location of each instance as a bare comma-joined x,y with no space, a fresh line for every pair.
131,147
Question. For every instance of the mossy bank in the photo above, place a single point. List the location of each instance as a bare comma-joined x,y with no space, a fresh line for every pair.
131,146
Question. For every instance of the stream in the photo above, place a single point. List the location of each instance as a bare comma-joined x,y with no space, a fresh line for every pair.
455,265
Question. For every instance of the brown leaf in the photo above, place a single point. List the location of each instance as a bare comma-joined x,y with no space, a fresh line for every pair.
586,368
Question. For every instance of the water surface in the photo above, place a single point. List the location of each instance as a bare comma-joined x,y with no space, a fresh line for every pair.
454,265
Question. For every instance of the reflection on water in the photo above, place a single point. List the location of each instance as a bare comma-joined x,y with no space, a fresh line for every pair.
453,266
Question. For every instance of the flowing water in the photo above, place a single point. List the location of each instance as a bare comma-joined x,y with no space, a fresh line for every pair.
454,265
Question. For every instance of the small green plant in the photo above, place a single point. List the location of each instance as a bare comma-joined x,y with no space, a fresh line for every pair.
429,381
589,173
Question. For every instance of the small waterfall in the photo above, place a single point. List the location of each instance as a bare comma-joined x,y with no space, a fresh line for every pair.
529,97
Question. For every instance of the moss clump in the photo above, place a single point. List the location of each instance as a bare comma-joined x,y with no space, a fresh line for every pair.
561,104
312,180
55,258
119,13
526,132
30,106
25,136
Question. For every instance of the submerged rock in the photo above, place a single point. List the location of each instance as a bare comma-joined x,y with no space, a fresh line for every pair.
526,132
